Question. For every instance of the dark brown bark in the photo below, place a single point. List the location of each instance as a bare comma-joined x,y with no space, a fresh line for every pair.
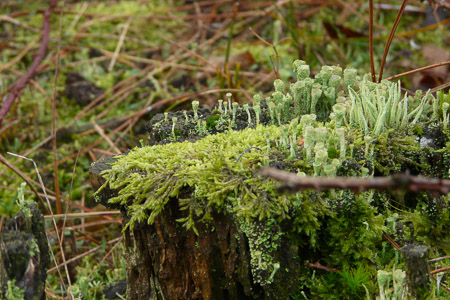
25,255
417,270
178,264
168,261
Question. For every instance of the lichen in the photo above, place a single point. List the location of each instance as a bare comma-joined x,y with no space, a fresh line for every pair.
264,240
335,124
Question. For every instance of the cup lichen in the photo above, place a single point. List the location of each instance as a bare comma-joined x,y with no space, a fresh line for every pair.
348,126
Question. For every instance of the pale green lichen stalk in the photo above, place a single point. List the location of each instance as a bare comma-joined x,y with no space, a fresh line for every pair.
195,105
316,127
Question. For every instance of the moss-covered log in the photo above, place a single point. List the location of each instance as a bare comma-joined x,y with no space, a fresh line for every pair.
215,263
25,255
201,222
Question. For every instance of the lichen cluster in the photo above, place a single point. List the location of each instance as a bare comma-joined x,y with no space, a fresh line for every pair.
334,124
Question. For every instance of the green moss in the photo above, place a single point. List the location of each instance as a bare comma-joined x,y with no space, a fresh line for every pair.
357,128
13,292
212,121
264,240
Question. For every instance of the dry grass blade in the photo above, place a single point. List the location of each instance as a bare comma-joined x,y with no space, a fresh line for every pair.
120,43
7,18
275,69
54,129
20,56
83,215
65,263
53,219
101,132
25,178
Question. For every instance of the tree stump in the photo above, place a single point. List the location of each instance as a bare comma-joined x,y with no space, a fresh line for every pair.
168,261
25,255
417,269
201,221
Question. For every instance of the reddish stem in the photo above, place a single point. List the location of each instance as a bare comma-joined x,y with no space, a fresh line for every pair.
372,64
391,36
22,82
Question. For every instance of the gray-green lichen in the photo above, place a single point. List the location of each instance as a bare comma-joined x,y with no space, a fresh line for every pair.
334,124
264,239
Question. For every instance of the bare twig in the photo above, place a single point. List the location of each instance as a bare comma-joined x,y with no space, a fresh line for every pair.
37,60
25,178
84,214
318,265
400,181
390,240
372,64
391,36
439,258
440,270
419,70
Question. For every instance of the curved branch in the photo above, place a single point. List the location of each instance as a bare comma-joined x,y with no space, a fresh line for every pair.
22,82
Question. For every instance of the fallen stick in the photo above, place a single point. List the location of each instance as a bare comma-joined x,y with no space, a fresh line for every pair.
400,181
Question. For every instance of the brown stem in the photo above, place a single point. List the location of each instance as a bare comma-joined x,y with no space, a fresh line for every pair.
400,181
318,265
372,64
440,270
419,70
22,82
391,36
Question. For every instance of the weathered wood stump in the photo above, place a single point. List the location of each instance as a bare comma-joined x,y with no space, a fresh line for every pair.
172,262
201,221
25,255
417,269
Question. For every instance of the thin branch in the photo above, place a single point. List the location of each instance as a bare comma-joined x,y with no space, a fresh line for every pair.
391,36
441,284
439,258
21,84
419,70
372,64
318,265
83,214
390,240
25,178
440,270
440,87
400,181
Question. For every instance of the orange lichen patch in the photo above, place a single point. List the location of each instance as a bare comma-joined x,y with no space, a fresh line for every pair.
300,141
